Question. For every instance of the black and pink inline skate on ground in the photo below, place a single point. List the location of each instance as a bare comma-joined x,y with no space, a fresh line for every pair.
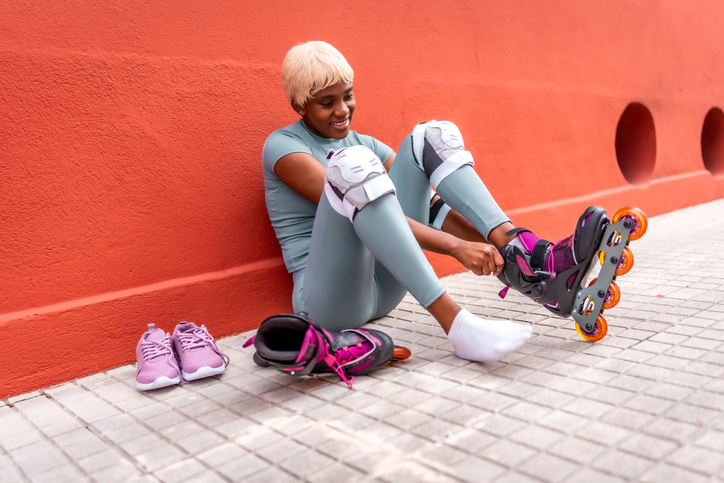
555,274
298,346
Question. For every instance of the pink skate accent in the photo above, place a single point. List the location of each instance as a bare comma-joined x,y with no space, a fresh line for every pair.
249,342
292,369
551,259
524,266
356,353
528,240
311,341
334,364
503,292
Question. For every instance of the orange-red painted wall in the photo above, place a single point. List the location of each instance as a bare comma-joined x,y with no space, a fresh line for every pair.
131,134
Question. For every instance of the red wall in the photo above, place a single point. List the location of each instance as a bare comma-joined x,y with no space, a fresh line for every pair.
131,136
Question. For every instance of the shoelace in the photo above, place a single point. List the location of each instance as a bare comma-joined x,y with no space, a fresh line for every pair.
350,354
333,362
198,339
155,350
568,241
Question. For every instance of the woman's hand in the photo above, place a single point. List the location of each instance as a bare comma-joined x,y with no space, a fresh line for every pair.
479,258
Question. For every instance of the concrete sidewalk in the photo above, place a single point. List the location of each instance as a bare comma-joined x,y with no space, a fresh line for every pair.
646,403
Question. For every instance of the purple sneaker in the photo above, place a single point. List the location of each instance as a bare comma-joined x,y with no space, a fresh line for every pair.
198,352
157,365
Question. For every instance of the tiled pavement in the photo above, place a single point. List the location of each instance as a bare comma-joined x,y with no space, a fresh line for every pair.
644,404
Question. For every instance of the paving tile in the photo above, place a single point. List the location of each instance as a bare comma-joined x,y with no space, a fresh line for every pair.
588,475
603,433
222,454
507,453
268,475
702,460
627,418
334,474
442,453
306,463
470,440
527,411
98,461
548,467
58,474
181,471
476,469
577,450
38,458
669,429
120,471
159,457
406,443
199,442
666,473
623,464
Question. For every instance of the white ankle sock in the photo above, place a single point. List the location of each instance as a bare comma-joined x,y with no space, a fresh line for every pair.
477,339
516,242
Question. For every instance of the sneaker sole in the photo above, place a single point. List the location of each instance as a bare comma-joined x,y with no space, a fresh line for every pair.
202,372
162,381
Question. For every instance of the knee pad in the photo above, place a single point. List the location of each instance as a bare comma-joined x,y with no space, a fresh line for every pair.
439,149
355,176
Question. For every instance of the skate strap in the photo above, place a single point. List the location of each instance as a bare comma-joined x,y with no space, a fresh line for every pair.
503,292
309,350
515,231
538,255
249,342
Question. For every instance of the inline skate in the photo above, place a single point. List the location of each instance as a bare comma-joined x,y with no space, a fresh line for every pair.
555,274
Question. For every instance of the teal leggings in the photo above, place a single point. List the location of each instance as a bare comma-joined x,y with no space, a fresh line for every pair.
357,272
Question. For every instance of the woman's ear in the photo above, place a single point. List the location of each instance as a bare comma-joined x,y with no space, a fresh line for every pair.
298,109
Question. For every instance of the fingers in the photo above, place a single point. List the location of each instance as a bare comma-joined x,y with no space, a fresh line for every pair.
499,263
482,259
490,263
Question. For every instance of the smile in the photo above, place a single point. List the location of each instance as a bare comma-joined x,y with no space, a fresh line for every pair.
341,123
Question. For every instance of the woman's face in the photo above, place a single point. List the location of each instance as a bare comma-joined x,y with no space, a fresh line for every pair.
328,113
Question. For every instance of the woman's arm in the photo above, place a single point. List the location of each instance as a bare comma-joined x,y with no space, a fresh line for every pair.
480,258
305,175
302,173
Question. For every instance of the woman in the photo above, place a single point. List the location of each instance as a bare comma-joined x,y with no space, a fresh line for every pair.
352,216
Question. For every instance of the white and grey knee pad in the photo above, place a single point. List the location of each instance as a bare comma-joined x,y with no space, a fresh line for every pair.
439,149
355,177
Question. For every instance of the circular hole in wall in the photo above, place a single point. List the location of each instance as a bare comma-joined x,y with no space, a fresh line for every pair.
636,143
712,141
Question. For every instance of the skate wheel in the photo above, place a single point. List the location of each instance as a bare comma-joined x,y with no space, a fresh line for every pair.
637,217
599,330
613,295
625,264
400,354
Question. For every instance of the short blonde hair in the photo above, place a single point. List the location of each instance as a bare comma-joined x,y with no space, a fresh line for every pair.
310,67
